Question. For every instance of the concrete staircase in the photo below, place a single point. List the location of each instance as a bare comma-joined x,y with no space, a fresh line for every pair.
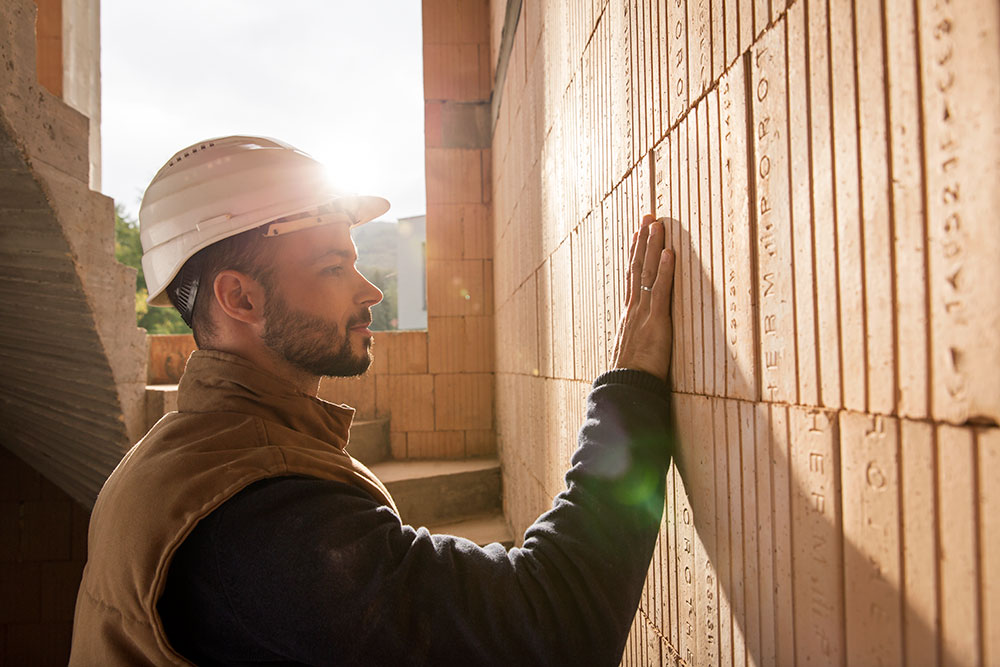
456,497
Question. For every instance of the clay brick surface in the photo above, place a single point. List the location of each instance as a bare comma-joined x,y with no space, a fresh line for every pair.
961,74
718,311
956,484
737,581
988,467
751,522
825,529
742,361
454,176
910,299
875,222
480,443
847,206
782,490
438,444
696,273
408,352
460,344
408,399
452,72
455,21
801,210
463,401
872,572
721,556
771,208
919,536
456,287
677,68
824,223
816,536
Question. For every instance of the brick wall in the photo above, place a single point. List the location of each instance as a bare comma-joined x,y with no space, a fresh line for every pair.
830,170
43,547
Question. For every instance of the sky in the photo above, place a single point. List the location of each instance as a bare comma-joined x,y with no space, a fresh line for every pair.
340,79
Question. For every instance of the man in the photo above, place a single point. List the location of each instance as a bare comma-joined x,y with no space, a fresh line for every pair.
239,531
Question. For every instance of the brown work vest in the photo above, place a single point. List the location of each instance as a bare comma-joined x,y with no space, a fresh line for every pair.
235,425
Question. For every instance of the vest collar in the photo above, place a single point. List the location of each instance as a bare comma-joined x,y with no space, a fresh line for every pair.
216,381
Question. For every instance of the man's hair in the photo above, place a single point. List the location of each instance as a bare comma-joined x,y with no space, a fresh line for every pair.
246,252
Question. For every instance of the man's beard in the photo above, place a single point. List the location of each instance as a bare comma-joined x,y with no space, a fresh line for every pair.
311,343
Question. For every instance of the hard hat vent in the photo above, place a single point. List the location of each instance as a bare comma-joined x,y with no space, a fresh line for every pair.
191,151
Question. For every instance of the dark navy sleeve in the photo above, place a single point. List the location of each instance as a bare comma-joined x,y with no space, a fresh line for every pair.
306,571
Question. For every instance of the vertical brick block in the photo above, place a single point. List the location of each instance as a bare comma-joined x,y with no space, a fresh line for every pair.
957,552
774,246
907,186
751,528
686,586
463,401
873,159
719,352
816,537
737,513
718,29
823,219
699,47
696,273
847,205
919,536
740,292
781,535
706,247
988,452
961,139
703,496
872,568
804,280
562,311
721,557
677,47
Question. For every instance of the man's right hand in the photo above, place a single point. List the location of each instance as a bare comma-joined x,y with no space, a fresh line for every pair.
644,334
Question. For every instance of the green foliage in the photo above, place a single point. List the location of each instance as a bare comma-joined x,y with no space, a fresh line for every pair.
128,250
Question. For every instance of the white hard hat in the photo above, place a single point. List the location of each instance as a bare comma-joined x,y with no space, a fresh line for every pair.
218,188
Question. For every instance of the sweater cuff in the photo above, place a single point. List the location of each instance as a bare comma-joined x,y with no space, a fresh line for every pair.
634,378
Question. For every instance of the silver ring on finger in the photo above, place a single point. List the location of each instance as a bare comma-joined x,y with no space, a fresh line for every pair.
643,287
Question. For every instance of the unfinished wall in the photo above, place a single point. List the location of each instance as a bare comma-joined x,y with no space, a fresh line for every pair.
830,170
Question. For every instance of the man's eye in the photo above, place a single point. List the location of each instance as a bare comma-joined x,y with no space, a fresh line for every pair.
334,270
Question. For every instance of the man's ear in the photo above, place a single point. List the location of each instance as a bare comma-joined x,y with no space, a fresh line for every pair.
239,296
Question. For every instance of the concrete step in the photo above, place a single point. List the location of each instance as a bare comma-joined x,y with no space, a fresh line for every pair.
440,492
369,441
482,530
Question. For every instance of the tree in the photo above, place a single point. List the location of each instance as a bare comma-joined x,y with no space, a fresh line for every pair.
128,251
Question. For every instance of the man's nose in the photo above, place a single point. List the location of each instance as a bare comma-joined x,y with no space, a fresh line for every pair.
369,294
